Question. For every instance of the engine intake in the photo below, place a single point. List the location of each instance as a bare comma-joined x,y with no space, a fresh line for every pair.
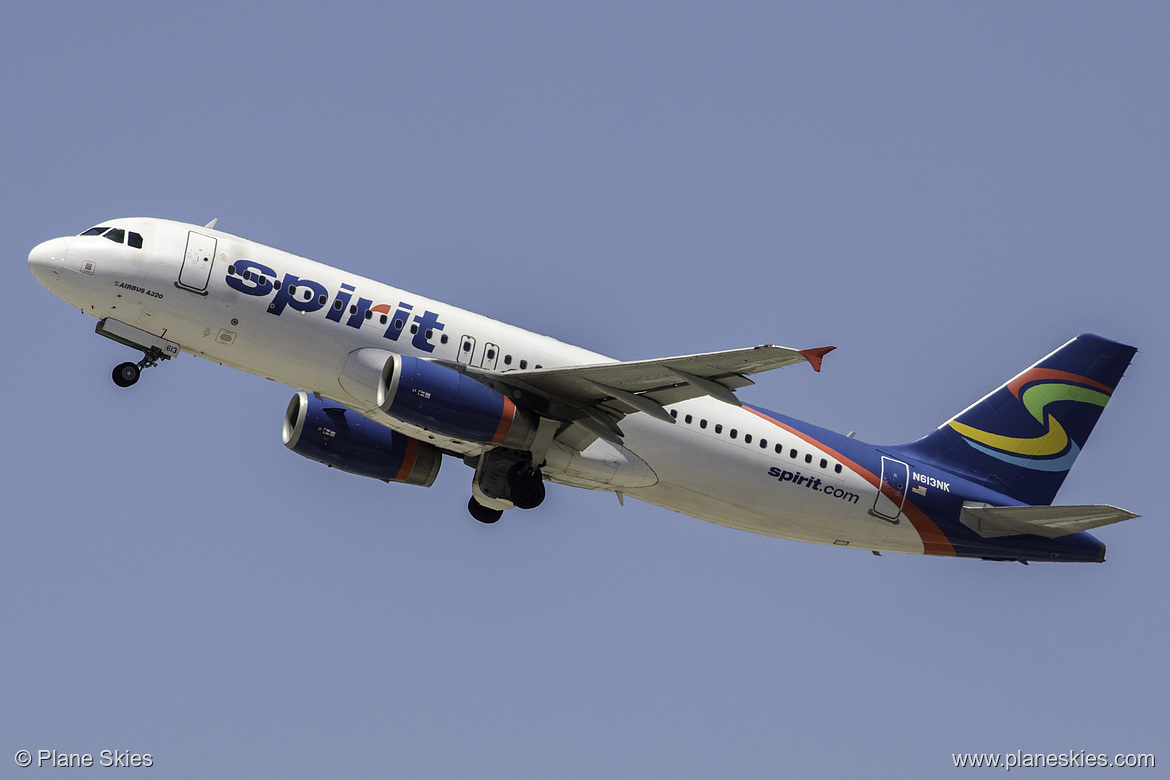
331,434
454,404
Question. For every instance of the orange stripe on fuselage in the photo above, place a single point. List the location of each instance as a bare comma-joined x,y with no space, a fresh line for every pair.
934,541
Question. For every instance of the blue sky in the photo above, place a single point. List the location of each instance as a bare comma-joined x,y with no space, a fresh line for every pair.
946,192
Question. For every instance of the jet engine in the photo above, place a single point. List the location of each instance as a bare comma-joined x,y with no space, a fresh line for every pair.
453,404
329,433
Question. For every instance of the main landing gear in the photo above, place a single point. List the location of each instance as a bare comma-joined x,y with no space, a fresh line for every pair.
503,481
482,513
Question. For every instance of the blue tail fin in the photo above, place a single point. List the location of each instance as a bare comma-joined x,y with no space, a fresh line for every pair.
1022,439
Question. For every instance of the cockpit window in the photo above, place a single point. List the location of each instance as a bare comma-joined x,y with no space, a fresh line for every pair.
117,235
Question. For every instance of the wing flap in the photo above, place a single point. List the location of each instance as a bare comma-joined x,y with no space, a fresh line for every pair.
1047,521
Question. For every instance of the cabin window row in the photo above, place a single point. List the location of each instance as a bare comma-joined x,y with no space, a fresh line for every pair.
748,438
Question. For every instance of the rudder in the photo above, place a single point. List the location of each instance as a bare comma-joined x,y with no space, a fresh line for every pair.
1022,438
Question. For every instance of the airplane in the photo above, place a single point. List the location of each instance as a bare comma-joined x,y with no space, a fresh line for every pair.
388,383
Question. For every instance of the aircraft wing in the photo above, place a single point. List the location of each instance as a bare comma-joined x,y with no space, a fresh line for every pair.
1047,521
606,392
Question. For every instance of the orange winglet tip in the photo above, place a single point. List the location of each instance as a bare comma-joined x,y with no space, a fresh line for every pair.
816,355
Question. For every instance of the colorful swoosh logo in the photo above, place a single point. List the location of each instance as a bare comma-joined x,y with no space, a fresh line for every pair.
1052,451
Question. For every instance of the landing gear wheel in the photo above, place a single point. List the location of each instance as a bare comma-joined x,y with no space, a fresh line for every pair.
482,513
126,374
526,486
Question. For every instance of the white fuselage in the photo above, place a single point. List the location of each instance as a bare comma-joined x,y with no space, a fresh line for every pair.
241,320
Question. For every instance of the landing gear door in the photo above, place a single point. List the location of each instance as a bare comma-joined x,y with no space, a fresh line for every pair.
892,491
196,268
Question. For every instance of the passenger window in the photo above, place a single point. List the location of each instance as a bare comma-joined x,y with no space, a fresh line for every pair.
507,360
430,333
779,449
824,463
733,433
135,240
322,300
443,340
491,352
674,413
414,328
383,319
117,235
808,458
792,454
338,304
369,314
276,286
523,364
467,346
688,419
763,444
702,423
837,468
718,427
747,438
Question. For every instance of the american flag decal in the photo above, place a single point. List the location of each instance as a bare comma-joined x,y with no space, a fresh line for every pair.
919,489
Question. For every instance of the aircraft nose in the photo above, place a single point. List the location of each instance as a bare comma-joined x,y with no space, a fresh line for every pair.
46,259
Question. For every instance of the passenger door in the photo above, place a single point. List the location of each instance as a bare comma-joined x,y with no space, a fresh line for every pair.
196,268
892,491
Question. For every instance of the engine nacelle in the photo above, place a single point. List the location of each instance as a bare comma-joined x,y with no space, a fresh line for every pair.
453,404
331,434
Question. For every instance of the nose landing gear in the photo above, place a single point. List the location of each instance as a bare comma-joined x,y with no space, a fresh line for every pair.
154,349
126,374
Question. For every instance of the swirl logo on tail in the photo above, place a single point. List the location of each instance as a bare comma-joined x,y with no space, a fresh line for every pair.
1036,389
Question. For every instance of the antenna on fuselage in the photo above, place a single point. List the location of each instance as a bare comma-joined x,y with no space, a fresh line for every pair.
211,224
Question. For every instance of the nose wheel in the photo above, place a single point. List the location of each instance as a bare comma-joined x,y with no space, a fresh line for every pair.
126,374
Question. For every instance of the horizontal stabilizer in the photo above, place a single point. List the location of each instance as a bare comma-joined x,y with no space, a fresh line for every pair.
1047,521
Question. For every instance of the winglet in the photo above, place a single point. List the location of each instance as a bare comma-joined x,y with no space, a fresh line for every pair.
816,355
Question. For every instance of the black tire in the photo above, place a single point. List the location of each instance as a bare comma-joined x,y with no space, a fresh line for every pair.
126,374
482,513
525,486
528,493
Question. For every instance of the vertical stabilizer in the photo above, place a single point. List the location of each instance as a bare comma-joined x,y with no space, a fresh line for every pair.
1022,439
